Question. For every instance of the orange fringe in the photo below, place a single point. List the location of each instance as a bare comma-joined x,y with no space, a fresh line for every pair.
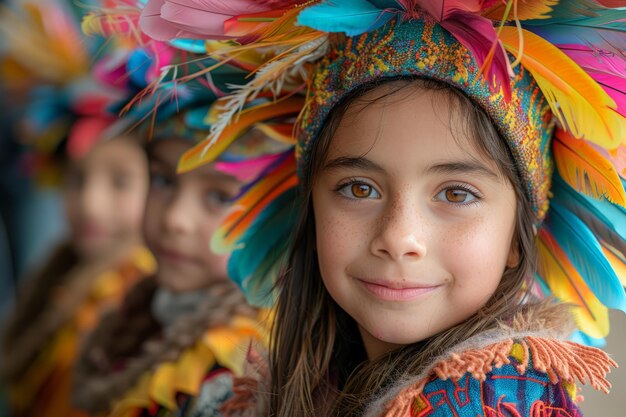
563,360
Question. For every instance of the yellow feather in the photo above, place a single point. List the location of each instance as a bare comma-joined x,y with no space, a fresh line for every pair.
586,170
591,316
52,52
202,154
161,388
192,367
577,101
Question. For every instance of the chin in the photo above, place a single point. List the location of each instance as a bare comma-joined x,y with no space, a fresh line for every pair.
90,249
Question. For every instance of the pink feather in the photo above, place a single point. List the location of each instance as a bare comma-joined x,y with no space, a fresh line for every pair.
463,20
444,9
477,34
196,19
248,169
605,68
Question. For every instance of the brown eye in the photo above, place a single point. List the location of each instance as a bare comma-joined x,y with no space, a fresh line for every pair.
456,195
361,190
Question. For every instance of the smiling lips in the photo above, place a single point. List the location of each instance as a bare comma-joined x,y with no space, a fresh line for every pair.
173,256
390,292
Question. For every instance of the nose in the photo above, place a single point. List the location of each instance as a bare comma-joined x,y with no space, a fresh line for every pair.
401,233
94,200
178,216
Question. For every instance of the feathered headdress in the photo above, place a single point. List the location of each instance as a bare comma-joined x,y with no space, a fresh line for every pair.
550,73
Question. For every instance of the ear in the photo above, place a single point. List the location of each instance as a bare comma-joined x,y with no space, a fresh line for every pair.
513,259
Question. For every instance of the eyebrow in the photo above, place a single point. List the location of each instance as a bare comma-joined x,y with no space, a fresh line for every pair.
214,175
353,162
452,167
461,167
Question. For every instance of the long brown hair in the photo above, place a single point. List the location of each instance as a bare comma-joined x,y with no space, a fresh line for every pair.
318,363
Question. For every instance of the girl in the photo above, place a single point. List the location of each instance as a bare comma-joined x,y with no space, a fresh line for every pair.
430,223
104,186
180,335
104,197
173,345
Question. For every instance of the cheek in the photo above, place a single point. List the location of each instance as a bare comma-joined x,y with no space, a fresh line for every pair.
217,263
476,256
152,218
131,210
340,240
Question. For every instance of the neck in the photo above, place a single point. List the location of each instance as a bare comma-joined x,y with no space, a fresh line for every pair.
168,306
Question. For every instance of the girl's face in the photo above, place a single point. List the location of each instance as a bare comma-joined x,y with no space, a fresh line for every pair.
182,213
414,226
105,193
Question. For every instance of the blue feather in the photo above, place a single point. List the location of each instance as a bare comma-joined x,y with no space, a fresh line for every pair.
607,220
352,17
197,46
584,339
584,251
611,215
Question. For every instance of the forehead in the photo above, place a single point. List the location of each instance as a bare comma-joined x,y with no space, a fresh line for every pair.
166,154
119,152
406,122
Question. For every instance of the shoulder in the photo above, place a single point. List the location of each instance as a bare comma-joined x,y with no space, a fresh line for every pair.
525,377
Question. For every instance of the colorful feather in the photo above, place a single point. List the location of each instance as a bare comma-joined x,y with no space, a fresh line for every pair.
609,39
254,231
195,19
567,285
257,265
532,9
617,260
352,17
604,218
247,169
585,253
585,339
577,101
45,41
585,169
243,25
606,68
253,200
204,153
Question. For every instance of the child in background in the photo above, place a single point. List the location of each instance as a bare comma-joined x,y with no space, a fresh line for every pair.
172,347
179,336
104,186
431,225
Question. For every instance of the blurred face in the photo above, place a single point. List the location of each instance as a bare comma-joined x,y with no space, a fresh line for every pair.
182,213
105,193
414,226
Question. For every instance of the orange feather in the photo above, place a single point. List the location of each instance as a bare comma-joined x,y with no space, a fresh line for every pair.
577,101
200,154
531,9
248,207
586,170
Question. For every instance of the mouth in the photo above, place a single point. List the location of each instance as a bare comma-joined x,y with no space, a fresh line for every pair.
173,256
392,291
92,231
